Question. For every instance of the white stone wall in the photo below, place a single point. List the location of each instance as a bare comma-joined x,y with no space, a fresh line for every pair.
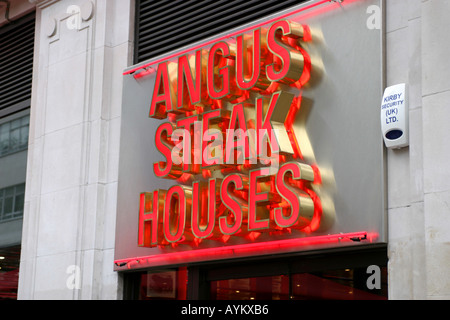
418,47
436,144
69,219
406,272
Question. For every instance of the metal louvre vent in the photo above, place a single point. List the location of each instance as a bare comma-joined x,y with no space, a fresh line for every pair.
16,64
162,26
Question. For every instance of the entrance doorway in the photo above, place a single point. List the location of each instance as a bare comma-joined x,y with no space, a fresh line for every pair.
346,274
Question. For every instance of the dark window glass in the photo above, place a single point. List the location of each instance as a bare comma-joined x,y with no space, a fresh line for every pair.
12,202
16,64
14,135
163,285
345,284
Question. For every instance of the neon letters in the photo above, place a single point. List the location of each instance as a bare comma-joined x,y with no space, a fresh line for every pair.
229,142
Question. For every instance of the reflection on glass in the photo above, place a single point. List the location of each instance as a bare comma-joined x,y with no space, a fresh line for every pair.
14,135
164,285
12,202
261,288
9,272
346,284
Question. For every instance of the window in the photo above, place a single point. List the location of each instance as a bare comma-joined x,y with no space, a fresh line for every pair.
11,202
14,135
16,64
162,26
164,285
343,284
161,284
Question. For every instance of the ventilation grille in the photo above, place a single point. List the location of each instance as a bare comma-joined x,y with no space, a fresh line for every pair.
16,65
163,26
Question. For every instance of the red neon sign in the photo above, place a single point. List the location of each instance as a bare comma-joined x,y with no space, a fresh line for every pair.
228,138
206,96
235,251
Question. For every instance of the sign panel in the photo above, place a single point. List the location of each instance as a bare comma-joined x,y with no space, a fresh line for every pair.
261,141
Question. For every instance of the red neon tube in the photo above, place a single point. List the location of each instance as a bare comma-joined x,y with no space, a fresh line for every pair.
244,249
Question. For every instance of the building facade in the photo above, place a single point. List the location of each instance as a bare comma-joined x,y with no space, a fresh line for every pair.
96,66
